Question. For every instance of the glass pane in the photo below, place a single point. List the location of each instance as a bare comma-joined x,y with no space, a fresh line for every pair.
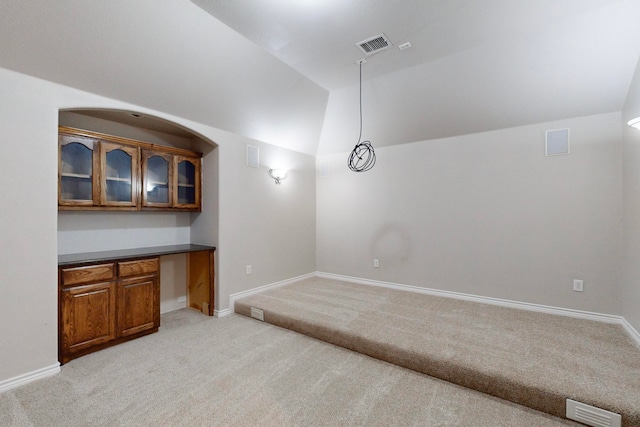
186,183
157,180
118,179
76,171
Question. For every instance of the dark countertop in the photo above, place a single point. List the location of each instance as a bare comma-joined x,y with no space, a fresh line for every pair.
122,254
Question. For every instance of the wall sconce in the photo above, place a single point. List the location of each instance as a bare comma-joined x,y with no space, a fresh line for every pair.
278,174
634,123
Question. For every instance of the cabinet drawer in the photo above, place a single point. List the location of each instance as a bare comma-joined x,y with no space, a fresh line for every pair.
93,273
137,268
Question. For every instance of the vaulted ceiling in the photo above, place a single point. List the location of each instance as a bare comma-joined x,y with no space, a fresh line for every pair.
285,72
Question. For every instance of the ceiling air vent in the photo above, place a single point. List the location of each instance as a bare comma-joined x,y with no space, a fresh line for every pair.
374,44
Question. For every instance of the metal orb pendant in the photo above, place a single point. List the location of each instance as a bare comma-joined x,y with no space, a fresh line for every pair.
362,158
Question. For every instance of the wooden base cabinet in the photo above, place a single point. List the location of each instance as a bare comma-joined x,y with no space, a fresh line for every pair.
87,316
138,297
104,304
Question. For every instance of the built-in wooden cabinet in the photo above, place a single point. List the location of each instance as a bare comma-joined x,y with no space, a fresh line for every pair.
186,185
104,172
119,175
138,296
105,298
103,304
157,179
87,315
77,166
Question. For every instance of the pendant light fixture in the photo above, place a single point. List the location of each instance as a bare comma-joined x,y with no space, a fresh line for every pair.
363,157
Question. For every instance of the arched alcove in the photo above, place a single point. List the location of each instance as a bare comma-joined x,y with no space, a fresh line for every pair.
132,124
89,231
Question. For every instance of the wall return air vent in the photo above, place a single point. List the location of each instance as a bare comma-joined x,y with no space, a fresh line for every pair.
374,44
592,416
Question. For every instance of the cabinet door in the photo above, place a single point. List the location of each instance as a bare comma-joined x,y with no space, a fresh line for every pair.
187,180
87,316
119,176
138,305
157,174
77,163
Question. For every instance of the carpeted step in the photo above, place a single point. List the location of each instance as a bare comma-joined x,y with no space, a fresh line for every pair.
533,359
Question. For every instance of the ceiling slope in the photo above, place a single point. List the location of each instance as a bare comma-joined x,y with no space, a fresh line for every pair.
264,68
170,56
582,67
473,65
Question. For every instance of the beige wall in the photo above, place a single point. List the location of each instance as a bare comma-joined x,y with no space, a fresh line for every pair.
28,265
272,228
485,214
631,157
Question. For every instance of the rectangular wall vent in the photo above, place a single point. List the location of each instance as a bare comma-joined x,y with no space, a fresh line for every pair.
256,313
556,142
253,156
324,169
374,44
592,416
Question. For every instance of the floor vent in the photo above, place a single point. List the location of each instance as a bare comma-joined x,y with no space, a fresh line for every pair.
374,44
256,313
592,416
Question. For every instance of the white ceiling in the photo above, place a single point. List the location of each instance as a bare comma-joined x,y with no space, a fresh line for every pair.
318,37
284,71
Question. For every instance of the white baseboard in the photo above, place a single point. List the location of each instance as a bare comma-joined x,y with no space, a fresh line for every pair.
633,333
599,317
29,377
238,295
223,313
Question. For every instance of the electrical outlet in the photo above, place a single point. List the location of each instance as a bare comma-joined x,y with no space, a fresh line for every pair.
182,298
376,263
578,285
249,269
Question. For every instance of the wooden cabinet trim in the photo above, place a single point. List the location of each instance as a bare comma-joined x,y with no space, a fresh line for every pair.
127,141
106,301
92,145
140,152
138,267
87,274
134,180
78,334
138,305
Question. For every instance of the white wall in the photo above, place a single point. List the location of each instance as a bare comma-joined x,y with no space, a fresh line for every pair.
485,214
270,227
100,231
273,228
630,286
28,265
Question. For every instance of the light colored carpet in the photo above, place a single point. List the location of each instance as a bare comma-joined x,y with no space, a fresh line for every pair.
534,359
234,371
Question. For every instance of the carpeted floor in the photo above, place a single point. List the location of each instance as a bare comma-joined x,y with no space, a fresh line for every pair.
202,371
534,359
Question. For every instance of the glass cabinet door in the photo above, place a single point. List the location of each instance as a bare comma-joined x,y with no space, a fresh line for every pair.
76,170
156,179
186,182
119,170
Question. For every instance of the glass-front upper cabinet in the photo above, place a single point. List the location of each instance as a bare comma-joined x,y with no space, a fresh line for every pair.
97,171
119,175
157,169
186,191
76,170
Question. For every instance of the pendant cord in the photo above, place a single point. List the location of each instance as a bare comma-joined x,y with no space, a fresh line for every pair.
363,157
360,136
